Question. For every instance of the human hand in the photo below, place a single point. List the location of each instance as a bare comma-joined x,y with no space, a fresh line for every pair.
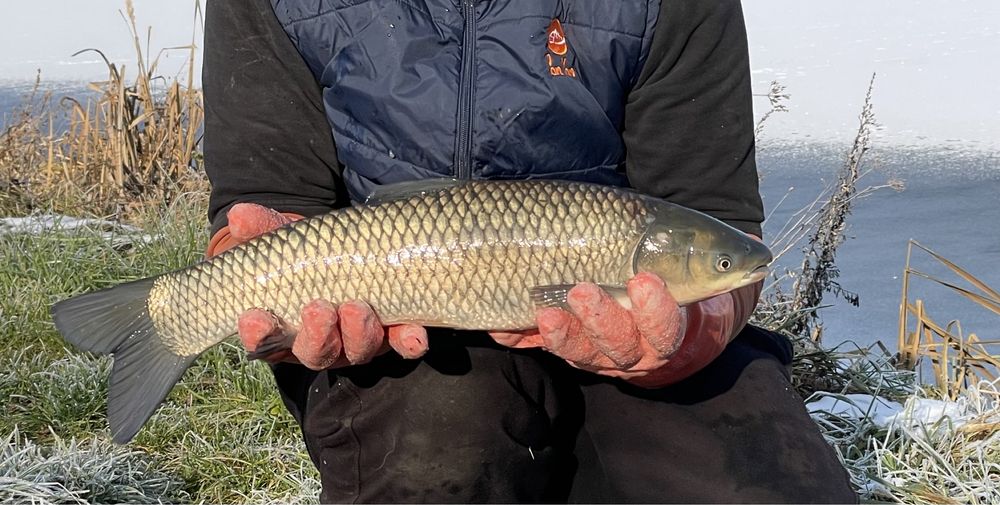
328,336
652,344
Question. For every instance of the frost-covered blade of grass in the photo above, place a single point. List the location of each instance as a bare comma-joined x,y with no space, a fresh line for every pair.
222,435
928,450
42,394
90,470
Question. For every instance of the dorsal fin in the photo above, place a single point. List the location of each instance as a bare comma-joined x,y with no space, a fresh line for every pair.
407,189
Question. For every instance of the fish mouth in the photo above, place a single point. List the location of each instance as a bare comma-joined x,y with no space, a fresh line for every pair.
756,274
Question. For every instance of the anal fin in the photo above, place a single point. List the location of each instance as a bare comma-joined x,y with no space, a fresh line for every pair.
270,345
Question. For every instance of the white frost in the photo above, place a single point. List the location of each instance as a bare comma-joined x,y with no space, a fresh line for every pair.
855,406
918,412
40,224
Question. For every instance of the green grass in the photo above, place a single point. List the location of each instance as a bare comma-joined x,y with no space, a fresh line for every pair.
222,435
53,396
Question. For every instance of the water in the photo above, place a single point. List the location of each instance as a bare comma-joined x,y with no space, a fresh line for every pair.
950,204
14,94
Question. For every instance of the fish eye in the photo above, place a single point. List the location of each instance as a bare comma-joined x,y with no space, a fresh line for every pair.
724,263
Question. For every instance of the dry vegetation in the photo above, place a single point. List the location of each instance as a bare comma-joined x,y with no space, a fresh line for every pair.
958,361
132,142
953,458
129,151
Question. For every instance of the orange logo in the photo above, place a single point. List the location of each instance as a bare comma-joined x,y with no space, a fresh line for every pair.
558,46
557,39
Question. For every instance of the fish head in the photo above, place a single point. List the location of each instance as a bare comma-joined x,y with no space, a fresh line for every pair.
698,256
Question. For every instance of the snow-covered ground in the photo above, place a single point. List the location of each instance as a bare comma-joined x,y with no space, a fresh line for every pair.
118,234
936,65
886,413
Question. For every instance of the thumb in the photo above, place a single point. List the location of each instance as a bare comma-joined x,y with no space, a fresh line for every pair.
249,220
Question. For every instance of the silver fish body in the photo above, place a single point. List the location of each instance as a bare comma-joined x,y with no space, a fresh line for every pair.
471,255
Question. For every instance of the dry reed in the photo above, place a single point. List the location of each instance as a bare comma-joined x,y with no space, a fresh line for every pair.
776,97
958,361
129,143
820,225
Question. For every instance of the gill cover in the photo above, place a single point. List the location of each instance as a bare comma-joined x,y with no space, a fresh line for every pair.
697,255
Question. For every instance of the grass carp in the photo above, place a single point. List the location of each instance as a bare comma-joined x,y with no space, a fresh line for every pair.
468,255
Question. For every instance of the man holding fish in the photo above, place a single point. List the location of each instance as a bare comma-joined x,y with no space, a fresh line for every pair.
616,364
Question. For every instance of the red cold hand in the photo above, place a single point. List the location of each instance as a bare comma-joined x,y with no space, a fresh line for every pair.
328,336
652,344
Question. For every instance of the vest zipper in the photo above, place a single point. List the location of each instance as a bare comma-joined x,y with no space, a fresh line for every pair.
463,143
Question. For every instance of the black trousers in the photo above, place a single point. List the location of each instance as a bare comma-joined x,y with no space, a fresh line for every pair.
475,422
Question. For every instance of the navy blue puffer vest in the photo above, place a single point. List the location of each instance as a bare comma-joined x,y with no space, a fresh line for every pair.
491,89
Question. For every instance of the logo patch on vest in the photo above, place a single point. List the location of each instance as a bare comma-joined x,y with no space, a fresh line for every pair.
558,48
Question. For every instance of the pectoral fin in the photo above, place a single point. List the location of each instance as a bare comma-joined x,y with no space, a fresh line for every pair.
270,345
554,295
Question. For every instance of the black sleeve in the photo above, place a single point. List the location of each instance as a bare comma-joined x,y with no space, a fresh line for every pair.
689,119
267,139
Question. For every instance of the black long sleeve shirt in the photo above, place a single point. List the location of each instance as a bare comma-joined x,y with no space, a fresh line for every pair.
688,124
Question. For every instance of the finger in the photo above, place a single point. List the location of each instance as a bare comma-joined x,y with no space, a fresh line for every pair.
409,340
610,326
361,331
622,374
694,354
656,314
713,319
249,220
264,335
564,336
317,344
518,339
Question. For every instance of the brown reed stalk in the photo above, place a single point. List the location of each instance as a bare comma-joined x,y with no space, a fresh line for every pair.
958,361
133,142
818,273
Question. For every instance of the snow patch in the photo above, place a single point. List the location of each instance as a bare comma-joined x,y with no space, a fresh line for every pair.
117,233
917,413
925,412
855,406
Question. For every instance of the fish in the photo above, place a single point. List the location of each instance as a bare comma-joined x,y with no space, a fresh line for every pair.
470,255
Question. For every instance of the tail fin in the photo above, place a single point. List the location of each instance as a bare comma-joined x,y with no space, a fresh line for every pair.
116,321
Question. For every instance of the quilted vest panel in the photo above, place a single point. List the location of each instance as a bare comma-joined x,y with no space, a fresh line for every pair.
489,89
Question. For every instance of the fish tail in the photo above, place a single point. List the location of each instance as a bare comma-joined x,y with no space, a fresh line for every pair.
116,321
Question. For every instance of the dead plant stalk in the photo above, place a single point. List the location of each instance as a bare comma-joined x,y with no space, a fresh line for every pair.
130,142
819,272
